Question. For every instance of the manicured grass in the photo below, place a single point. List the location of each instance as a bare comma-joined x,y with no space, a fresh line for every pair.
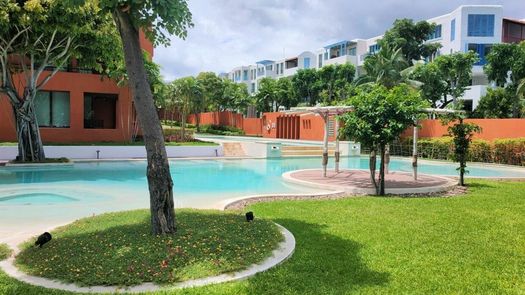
189,143
5,251
471,244
118,249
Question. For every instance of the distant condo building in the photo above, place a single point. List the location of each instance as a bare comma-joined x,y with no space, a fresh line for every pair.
469,27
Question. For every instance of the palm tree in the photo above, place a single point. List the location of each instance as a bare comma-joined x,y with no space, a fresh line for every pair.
385,68
187,94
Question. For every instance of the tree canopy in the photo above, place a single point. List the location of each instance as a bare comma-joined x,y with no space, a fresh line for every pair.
411,38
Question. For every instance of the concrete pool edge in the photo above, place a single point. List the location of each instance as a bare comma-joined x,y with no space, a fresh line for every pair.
284,250
448,185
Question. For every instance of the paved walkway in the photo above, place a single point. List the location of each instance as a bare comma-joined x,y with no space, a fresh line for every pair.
358,181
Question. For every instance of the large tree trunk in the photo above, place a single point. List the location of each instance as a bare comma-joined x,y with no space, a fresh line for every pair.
30,147
158,171
382,172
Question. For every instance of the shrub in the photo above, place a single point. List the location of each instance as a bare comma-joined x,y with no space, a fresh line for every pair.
5,251
221,130
501,151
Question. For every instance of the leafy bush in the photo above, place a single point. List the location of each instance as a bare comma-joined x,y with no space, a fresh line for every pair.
5,251
501,151
221,130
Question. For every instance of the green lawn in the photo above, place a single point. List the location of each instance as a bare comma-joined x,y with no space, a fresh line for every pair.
471,244
118,249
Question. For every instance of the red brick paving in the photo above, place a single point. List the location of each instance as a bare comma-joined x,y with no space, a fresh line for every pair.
361,179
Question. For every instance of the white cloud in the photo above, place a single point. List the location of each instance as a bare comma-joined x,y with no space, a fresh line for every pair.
229,33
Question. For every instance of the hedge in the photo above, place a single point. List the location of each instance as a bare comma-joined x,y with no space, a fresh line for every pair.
501,151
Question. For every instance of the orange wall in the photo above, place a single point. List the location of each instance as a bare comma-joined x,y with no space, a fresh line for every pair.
491,128
146,44
311,127
252,126
226,118
77,84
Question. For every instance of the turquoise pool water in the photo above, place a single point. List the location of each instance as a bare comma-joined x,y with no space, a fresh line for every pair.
56,194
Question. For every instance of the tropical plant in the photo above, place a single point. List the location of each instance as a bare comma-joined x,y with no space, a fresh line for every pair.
333,79
462,134
266,94
379,116
187,94
499,102
411,38
213,89
384,68
506,64
306,85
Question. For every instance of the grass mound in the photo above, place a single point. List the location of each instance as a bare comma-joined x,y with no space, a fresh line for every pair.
118,249
5,251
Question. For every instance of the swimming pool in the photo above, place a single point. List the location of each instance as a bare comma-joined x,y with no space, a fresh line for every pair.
53,195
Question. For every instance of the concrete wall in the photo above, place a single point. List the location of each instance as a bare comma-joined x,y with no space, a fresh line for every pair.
491,128
115,152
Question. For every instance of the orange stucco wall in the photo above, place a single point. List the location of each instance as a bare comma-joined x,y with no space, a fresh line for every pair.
226,118
296,126
77,84
252,126
491,128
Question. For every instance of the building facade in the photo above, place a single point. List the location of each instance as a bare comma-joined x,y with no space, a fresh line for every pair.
469,27
77,105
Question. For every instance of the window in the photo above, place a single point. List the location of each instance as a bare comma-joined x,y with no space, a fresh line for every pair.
100,111
269,67
245,75
352,51
325,55
282,67
436,34
482,50
306,62
292,63
52,109
253,88
480,25
320,63
453,30
373,49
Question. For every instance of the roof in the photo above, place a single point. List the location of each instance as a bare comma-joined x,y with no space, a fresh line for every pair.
521,21
265,62
338,43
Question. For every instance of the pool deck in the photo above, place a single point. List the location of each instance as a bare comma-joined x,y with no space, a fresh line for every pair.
358,181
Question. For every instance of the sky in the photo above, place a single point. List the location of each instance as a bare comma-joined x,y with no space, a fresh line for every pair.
231,33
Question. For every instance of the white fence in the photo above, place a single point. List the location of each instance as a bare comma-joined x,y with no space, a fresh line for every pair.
115,152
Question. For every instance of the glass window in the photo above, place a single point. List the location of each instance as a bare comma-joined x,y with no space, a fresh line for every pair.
436,34
306,62
100,111
320,63
373,49
52,109
480,25
352,51
482,50
453,30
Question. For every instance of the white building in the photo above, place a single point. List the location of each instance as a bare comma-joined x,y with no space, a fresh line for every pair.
469,27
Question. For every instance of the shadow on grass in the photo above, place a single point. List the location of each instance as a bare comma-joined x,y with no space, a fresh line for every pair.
321,264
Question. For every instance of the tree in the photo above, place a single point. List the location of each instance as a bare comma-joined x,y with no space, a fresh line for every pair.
306,85
285,95
506,64
456,69
213,89
333,79
39,38
445,79
411,38
498,103
462,134
235,95
380,115
266,94
188,95
384,68
156,19
434,88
